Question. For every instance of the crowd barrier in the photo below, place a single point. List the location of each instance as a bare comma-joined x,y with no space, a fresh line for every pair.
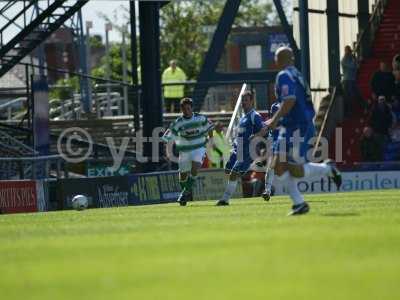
139,189
352,181
155,188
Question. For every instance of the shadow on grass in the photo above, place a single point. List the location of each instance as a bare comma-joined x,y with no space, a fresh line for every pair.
317,201
341,214
244,202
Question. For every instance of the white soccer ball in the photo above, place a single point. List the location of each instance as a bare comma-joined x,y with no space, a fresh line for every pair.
80,202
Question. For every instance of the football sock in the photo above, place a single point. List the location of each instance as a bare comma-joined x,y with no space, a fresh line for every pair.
183,184
293,191
229,190
314,169
269,178
191,180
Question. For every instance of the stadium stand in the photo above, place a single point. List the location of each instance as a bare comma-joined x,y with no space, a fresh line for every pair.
385,45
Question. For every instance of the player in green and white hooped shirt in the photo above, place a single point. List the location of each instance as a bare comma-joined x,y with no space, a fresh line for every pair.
190,133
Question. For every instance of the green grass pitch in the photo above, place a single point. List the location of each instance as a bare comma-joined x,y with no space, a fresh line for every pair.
348,247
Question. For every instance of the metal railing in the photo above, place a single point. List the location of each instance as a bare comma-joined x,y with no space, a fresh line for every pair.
221,97
103,105
328,112
14,146
8,109
366,37
32,167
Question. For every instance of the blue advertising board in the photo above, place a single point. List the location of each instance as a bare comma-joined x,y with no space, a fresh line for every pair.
101,191
140,189
153,188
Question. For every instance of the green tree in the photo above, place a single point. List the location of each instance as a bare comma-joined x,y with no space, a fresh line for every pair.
64,88
96,41
115,62
185,27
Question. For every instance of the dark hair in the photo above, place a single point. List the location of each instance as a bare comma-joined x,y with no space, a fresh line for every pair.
186,101
248,94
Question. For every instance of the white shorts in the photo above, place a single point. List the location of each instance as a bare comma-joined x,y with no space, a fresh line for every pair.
186,158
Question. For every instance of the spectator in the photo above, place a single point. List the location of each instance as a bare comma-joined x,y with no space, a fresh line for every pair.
173,93
371,146
383,82
396,67
395,130
351,92
396,73
395,134
219,154
396,93
396,110
381,117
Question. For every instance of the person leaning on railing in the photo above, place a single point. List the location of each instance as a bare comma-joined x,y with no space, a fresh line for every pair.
351,91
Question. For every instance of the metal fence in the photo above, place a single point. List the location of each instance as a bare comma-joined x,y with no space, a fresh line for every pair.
32,167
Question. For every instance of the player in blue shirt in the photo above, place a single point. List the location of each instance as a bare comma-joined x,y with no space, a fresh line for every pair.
242,155
295,116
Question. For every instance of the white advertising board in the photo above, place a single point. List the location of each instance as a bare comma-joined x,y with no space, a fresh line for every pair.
352,181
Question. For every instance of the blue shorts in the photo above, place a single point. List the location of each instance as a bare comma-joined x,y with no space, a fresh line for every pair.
238,165
295,151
